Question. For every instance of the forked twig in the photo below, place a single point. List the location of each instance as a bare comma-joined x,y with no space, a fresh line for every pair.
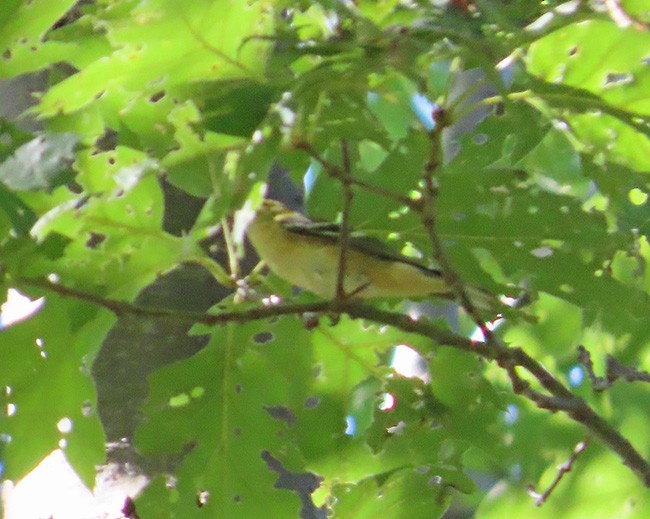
613,369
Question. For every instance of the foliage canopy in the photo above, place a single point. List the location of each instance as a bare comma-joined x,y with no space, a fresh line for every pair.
520,127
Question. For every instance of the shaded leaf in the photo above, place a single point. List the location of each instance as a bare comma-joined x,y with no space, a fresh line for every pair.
39,163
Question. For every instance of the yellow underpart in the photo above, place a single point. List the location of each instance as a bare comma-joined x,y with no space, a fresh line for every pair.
311,263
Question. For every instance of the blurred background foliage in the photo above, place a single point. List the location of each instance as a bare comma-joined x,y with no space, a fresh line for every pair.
151,122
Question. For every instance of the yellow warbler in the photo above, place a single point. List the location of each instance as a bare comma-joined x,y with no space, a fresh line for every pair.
306,254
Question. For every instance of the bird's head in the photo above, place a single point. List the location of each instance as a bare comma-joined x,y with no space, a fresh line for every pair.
274,211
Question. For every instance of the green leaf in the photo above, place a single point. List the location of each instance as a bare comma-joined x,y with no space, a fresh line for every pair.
20,216
191,50
22,28
599,57
46,386
246,375
424,495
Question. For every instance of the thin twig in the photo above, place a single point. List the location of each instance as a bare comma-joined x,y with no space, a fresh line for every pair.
409,202
336,172
428,212
233,261
563,469
614,370
597,383
344,233
331,168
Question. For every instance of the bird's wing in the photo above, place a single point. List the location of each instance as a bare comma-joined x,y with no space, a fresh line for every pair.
365,244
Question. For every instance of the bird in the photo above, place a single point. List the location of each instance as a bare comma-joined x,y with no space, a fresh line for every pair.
306,254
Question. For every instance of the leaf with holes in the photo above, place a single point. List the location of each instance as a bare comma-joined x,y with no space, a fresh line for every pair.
220,411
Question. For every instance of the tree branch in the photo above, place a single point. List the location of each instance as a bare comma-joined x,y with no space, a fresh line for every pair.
124,308
559,398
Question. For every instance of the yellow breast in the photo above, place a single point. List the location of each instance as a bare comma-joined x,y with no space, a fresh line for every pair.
312,263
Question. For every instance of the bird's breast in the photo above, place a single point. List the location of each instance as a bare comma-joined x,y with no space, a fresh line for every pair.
312,263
